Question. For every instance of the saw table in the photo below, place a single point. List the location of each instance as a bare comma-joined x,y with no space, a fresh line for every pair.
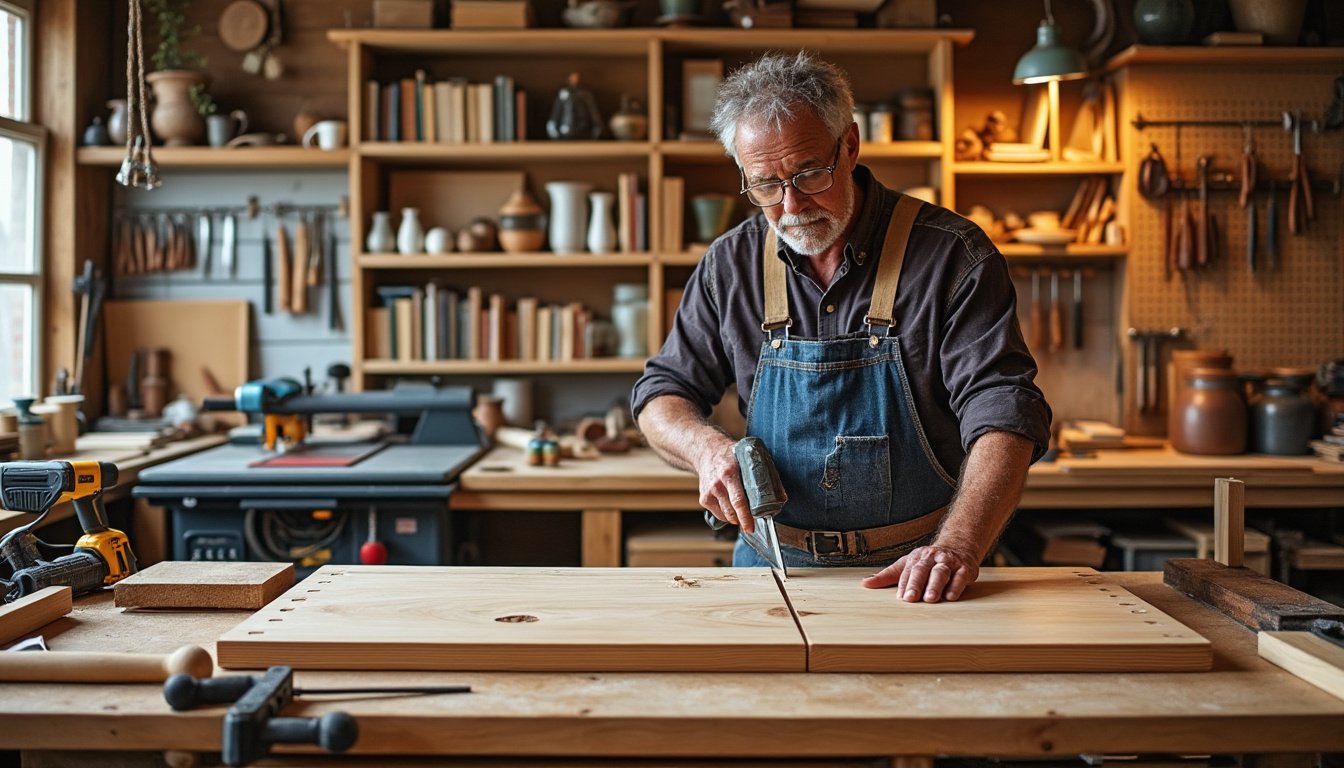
1244,704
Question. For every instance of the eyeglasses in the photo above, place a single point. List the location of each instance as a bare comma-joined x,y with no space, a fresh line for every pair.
812,181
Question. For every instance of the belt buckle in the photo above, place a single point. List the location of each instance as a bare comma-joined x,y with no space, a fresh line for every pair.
826,543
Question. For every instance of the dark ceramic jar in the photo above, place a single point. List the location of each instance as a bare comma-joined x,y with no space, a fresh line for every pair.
1163,22
1283,418
1177,388
1212,416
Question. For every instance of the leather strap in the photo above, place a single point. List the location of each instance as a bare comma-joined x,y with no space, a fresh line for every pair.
776,290
863,541
888,282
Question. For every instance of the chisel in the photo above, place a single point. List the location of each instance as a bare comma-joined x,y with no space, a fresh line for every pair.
1077,309
1056,314
1250,235
228,245
282,266
267,288
298,300
203,222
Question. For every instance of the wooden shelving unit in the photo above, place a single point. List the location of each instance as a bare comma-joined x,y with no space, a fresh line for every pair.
1062,252
1205,56
984,168
469,367
224,159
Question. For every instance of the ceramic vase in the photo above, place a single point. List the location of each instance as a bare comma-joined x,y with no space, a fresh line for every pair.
601,228
522,225
175,120
116,122
410,235
630,315
1163,22
629,124
380,238
569,215
437,241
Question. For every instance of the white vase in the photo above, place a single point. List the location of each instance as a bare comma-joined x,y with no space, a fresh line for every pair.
410,235
380,239
437,241
569,215
601,228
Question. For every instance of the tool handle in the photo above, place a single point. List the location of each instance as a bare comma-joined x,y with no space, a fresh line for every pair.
282,267
714,522
1056,315
184,692
298,301
1078,309
267,267
72,667
334,731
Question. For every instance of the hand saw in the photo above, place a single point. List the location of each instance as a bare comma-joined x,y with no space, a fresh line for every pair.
765,497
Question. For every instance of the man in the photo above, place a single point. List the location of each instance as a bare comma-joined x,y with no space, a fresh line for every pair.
869,410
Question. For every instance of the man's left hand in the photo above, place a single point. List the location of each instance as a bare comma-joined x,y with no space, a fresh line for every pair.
933,573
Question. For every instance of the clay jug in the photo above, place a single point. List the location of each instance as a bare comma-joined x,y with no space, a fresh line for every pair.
1212,418
175,120
569,215
1181,361
522,225
116,122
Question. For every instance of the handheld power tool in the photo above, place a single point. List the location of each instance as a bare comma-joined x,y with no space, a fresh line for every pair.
102,556
765,497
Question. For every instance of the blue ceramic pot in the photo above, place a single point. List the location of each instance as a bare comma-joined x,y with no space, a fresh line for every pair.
1163,22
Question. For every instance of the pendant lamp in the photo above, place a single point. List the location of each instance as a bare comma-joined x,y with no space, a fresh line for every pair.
1049,60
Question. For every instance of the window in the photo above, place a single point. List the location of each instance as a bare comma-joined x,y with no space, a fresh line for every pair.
21,162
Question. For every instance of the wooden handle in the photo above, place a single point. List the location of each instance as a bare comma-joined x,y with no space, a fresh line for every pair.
282,267
1185,237
1056,315
71,667
1229,521
299,301
1035,324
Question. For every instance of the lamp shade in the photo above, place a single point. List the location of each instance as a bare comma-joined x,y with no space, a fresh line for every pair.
1049,60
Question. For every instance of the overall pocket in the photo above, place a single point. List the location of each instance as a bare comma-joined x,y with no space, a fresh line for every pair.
856,482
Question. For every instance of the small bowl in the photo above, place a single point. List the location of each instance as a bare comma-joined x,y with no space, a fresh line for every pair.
598,14
1043,220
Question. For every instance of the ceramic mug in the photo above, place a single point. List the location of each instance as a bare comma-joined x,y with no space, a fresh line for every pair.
220,129
330,134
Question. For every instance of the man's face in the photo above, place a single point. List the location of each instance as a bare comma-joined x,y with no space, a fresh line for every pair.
809,224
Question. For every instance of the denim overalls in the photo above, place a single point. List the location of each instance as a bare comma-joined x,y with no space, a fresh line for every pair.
839,418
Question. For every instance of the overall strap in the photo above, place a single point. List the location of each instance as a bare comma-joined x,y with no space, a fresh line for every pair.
881,308
776,290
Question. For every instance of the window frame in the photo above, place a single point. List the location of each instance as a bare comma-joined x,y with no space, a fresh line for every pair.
30,133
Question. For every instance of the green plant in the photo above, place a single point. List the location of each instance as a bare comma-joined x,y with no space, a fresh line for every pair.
202,100
171,19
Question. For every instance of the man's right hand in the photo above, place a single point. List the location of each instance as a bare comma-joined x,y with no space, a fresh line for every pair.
721,491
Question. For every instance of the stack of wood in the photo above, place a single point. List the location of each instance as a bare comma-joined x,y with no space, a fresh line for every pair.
9,444
1092,207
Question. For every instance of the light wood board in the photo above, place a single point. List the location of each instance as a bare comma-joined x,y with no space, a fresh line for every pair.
21,617
521,619
200,584
1010,620
1311,658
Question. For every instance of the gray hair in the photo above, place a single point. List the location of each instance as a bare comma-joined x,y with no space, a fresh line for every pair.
778,88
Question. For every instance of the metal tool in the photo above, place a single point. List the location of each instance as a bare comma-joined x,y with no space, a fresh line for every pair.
1301,207
1272,231
228,245
1248,170
1056,314
1078,308
203,224
1147,395
267,287
1035,321
101,556
1329,630
765,497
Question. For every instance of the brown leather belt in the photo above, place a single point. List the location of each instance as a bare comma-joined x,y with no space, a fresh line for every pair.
860,542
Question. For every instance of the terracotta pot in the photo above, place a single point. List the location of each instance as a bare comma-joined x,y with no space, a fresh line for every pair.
175,120
1212,414
522,225
1181,361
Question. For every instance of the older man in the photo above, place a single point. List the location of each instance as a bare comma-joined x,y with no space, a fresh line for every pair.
873,339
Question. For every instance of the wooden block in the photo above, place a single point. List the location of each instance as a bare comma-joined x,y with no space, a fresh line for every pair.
1229,521
407,14
199,584
524,619
1009,620
1247,597
26,614
1314,659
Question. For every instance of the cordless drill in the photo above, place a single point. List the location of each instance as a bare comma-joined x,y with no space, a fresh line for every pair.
102,556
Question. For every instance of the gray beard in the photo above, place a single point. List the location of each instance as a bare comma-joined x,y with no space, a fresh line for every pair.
815,243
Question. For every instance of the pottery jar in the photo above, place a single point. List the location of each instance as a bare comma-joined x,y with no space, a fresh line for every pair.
380,238
1163,22
1212,418
569,215
438,240
1283,418
522,225
630,315
410,234
1330,384
629,123
601,227
1181,361
175,120
116,122
916,122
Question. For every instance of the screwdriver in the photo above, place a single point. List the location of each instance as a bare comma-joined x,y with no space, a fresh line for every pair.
184,692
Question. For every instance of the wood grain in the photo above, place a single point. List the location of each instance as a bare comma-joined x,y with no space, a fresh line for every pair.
1314,659
1010,620
19,618
1229,521
516,619
1247,597
199,584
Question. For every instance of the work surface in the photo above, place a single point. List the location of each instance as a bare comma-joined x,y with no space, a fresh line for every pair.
1244,704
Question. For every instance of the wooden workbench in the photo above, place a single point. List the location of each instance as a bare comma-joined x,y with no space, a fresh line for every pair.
1243,705
641,482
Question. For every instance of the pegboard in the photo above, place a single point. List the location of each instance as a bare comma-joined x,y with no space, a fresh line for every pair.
1292,316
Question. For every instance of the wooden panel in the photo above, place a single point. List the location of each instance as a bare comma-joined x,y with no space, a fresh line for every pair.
1314,659
199,584
21,617
542,619
1171,462
1247,597
197,334
1010,620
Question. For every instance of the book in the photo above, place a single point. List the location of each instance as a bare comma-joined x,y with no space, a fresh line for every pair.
485,112
503,103
403,320
495,328
431,321
408,109
475,303
526,309
447,335
378,333
443,111
419,95
430,114
373,102
492,14
392,112
544,333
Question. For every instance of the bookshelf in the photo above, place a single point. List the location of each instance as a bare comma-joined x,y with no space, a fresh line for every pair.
645,64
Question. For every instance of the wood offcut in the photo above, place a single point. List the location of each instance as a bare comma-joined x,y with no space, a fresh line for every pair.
199,584
1247,597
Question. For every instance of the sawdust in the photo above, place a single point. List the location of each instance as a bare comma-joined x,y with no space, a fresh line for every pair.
517,619
683,582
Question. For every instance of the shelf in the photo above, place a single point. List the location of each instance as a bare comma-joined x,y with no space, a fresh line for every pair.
510,151
1070,251
712,151
488,367
502,260
218,157
1035,169
1247,55
636,41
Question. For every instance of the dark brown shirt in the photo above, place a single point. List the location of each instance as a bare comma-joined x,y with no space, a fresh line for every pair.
968,366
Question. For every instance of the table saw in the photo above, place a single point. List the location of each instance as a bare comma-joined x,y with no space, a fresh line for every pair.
320,501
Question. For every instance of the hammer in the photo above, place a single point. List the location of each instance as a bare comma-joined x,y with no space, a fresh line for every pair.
79,667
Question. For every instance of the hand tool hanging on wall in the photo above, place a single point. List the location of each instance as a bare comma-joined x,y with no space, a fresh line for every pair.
1202,219
267,267
1251,237
1185,238
298,300
1301,207
334,320
1035,321
1248,170
1153,178
1078,308
1168,240
1147,394
1272,230
282,265
1056,313
228,244
317,224
204,221
1141,368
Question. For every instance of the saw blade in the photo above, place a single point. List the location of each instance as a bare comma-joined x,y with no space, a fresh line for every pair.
765,540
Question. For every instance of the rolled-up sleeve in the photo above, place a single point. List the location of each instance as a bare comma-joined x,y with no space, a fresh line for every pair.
693,362
988,369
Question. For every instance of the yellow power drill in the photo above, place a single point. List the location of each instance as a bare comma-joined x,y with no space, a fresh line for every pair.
102,556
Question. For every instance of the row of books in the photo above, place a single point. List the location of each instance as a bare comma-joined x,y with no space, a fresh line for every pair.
632,214
436,322
446,111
